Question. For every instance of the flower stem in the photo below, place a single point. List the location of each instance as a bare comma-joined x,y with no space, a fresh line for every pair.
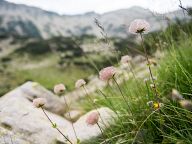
134,76
55,127
142,125
113,108
149,66
181,6
101,131
94,105
124,98
70,118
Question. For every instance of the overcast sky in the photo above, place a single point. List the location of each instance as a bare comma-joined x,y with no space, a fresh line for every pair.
102,6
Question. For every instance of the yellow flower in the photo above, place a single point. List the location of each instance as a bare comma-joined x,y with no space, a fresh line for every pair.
156,105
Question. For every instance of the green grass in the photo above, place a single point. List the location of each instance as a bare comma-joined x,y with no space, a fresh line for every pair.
170,124
136,122
46,70
42,69
50,76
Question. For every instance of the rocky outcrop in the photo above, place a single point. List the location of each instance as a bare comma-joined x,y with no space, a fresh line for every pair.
94,84
26,122
87,132
22,123
8,137
32,90
73,115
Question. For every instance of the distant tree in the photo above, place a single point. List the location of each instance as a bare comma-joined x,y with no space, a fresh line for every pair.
189,10
65,45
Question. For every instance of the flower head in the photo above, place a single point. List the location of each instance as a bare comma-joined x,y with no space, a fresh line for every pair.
126,59
154,78
152,86
176,96
150,103
79,83
39,102
92,118
155,105
186,104
146,80
139,26
59,89
152,62
95,101
107,73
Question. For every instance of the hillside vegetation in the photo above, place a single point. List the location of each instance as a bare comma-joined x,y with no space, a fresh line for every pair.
143,122
150,98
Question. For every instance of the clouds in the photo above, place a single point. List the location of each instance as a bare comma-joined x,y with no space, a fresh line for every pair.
101,6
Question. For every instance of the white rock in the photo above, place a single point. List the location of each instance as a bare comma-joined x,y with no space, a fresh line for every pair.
138,59
74,115
8,137
28,123
32,90
86,132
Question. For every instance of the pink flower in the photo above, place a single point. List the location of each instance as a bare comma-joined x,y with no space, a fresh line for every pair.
59,89
126,59
107,73
39,102
79,83
139,26
92,118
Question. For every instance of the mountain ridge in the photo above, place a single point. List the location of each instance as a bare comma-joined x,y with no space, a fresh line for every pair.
23,20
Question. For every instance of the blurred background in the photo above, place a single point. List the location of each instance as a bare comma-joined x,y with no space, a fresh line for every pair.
61,41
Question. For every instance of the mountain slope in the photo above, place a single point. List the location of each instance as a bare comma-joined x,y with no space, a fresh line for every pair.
22,20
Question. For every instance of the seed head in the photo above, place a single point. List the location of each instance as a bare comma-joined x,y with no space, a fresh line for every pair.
59,89
107,73
139,26
126,59
79,83
39,102
92,118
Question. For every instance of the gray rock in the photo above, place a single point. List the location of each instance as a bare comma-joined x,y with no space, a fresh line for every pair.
28,123
86,132
22,123
8,137
32,90
94,84
138,59
73,115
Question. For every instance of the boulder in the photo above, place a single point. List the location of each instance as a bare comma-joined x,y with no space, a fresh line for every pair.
73,115
32,90
22,123
7,137
138,59
94,84
87,132
28,123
